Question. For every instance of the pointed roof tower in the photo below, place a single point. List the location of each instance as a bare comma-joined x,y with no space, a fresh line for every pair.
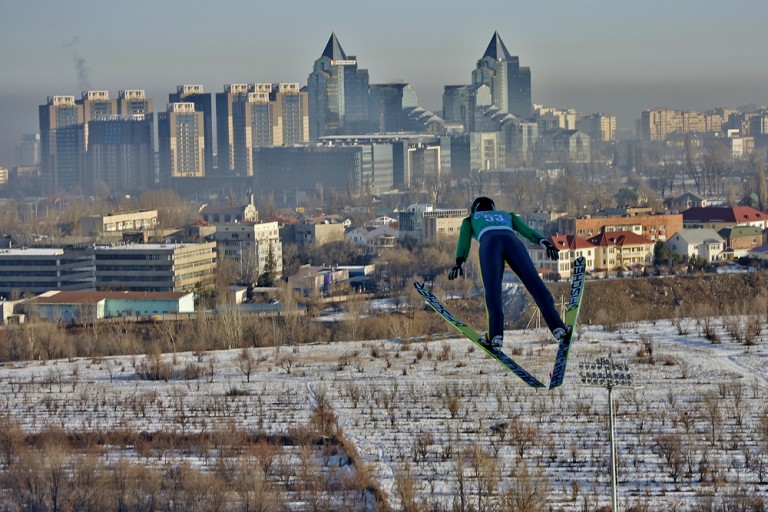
496,49
333,49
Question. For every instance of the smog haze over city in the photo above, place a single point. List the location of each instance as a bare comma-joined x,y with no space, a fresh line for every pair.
592,56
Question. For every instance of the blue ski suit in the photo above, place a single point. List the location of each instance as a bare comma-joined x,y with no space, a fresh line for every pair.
495,232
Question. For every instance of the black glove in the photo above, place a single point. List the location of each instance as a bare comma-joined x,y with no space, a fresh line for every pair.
457,270
552,252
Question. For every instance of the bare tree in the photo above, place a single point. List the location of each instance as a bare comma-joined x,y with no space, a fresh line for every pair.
527,491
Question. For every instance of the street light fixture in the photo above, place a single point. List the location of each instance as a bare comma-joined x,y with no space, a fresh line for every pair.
606,373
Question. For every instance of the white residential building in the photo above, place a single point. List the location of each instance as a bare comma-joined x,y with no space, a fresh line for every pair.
249,244
705,243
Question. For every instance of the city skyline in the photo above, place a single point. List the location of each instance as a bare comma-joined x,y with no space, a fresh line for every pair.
590,57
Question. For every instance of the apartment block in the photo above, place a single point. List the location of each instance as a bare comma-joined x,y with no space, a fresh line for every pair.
658,124
600,127
181,142
653,226
622,250
250,245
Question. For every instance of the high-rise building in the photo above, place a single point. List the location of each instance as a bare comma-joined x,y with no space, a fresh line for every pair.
130,102
338,93
459,104
181,142
97,104
224,128
385,106
291,114
120,154
659,123
252,117
202,101
28,150
510,83
268,115
600,127
61,143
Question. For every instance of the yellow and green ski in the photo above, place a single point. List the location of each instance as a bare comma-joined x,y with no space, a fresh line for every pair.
473,335
570,319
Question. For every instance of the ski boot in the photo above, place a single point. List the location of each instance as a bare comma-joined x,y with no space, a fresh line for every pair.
561,334
495,344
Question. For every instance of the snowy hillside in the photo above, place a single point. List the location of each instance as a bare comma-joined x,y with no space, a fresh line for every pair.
441,426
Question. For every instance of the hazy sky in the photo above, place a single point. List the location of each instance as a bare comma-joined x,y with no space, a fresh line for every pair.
617,56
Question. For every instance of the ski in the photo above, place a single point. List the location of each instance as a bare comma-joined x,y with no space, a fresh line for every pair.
473,335
571,317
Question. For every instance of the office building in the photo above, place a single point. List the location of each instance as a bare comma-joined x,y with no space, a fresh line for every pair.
120,157
62,143
202,103
459,105
290,173
385,106
396,160
155,267
181,141
510,84
37,270
28,150
337,93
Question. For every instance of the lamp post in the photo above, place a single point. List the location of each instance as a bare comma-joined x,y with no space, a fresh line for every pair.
606,373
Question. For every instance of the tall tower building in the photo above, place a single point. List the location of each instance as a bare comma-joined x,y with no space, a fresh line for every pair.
385,106
97,104
182,142
28,150
202,101
120,154
224,128
130,102
291,114
268,115
61,143
252,126
338,93
510,84
459,104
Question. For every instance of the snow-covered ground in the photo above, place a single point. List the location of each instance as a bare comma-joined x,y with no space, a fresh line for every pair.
442,415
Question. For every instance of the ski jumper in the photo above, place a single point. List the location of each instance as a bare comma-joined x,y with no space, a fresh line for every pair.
495,232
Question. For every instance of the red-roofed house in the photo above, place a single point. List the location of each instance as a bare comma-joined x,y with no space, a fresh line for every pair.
570,247
621,249
718,217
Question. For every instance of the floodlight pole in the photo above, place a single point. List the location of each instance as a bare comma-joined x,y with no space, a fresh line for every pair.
614,469
605,373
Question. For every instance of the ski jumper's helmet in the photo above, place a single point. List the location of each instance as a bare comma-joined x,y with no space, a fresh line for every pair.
482,204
